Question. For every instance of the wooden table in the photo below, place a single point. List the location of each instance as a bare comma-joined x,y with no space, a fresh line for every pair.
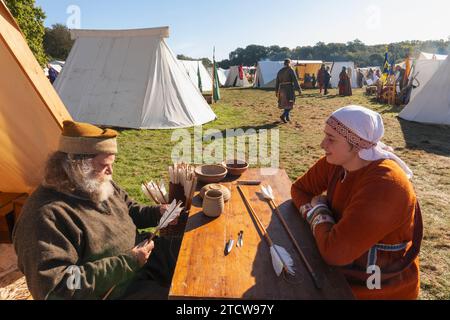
204,272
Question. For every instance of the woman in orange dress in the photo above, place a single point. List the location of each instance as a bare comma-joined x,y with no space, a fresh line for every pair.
369,224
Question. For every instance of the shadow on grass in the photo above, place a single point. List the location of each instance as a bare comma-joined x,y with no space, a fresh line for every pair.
427,137
247,89
223,133
261,89
332,96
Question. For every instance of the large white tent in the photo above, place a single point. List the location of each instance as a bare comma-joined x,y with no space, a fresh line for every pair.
222,73
234,80
431,56
337,69
129,79
193,68
266,71
423,71
430,102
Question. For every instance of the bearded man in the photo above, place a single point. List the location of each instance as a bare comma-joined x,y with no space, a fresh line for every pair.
77,235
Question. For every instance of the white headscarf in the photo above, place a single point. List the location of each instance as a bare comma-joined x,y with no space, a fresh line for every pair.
364,129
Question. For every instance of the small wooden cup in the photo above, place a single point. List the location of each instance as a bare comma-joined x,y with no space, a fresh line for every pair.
213,204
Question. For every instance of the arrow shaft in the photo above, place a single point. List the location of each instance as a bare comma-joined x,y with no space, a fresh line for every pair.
296,245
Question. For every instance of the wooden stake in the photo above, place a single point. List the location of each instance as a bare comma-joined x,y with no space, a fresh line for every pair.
259,223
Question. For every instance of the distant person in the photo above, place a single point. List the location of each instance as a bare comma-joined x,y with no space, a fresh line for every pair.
370,74
308,77
52,73
360,78
313,81
321,78
350,76
326,80
399,76
285,87
378,74
241,72
345,88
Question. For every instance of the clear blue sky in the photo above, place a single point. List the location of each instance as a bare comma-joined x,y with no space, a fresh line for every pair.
197,25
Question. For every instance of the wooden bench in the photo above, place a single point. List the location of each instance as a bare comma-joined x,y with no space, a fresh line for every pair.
208,97
371,90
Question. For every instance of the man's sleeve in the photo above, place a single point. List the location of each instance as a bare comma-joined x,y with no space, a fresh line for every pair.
143,216
277,83
295,80
52,267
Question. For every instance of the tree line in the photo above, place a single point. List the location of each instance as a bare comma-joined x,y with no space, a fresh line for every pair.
356,51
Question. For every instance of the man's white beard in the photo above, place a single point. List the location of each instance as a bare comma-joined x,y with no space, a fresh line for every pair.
105,189
99,189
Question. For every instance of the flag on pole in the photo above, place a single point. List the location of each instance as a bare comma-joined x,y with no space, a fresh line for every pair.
200,87
386,62
386,66
216,83
407,70
392,67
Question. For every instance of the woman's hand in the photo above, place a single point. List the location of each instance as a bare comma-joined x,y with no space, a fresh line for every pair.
318,200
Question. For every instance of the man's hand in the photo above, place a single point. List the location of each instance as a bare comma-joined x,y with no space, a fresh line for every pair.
142,251
318,200
163,209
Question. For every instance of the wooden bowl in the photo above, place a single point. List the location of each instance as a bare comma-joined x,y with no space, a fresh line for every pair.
211,173
236,167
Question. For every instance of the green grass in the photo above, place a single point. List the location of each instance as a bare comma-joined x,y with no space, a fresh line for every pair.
146,155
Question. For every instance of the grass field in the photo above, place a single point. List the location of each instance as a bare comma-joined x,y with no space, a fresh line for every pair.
146,155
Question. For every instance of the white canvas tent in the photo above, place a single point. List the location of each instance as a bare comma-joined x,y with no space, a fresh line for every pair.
129,79
424,70
31,113
337,69
233,79
431,56
266,71
193,68
430,103
222,73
